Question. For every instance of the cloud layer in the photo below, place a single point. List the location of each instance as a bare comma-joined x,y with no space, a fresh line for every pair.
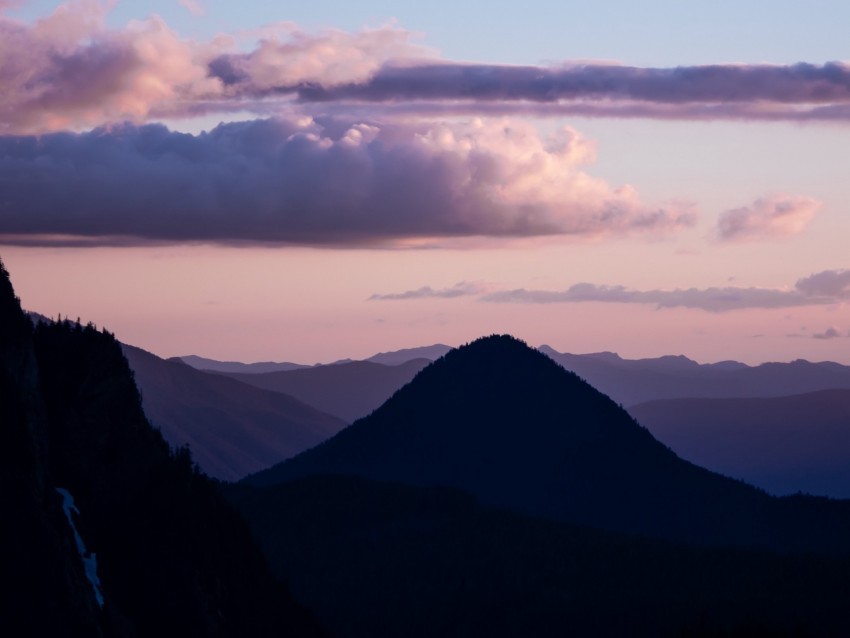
461,289
70,70
827,287
795,84
305,182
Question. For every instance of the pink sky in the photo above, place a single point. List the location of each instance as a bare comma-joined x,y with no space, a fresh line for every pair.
366,192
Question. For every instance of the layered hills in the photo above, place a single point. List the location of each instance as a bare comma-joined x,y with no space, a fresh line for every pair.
507,424
633,381
347,390
798,443
232,428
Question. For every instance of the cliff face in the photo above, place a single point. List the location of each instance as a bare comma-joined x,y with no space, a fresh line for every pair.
47,589
147,543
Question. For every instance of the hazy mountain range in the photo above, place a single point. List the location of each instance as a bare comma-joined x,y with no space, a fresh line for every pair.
491,493
508,425
526,502
792,443
349,390
673,377
232,428
783,444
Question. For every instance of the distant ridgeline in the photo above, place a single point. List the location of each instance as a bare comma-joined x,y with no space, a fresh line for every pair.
105,531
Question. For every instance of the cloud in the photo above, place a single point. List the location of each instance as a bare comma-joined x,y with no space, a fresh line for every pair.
817,289
288,59
767,217
312,183
829,283
709,299
70,70
461,289
830,333
792,84
193,6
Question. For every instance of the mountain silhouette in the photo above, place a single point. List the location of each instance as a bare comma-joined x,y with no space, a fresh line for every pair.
397,357
346,390
507,424
633,381
105,531
232,428
782,444
202,363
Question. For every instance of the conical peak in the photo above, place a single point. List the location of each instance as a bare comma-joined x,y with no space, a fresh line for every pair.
495,358
505,349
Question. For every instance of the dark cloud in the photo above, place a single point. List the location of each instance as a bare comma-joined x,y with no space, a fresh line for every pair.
800,92
461,289
818,289
302,182
795,84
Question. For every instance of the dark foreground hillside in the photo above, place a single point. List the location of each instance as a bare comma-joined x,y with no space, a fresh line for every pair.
154,549
383,559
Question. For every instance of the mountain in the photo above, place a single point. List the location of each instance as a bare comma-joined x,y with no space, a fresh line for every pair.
202,363
105,531
233,429
393,358
782,444
384,559
397,357
514,429
346,390
630,382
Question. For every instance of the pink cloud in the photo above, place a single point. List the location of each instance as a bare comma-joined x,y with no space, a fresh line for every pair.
193,6
70,70
287,57
767,218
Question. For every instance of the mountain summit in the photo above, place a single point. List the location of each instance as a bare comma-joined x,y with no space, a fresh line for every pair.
506,423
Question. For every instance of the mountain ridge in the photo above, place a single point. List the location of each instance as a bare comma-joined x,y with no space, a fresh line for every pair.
512,427
233,428
106,531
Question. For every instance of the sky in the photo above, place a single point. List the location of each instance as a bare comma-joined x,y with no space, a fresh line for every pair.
260,181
